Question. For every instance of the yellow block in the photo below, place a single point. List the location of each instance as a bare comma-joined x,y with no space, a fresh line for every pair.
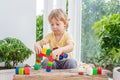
21,71
38,63
44,50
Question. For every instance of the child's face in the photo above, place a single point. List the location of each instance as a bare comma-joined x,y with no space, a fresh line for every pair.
57,26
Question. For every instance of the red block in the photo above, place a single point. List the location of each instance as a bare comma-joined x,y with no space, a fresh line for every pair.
62,54
39,61
50,59
99,70
39,55
50,67
26,70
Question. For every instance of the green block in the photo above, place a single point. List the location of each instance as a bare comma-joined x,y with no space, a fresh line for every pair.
21,71
37,58
95,71
48,52
36,67
49,64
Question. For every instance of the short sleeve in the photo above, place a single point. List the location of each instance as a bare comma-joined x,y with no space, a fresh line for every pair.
69,38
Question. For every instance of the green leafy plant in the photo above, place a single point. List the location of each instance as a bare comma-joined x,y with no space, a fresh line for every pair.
39,28
108,32
98,9
13,51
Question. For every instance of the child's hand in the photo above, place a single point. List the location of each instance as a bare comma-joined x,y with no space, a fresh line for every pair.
37,48
56,52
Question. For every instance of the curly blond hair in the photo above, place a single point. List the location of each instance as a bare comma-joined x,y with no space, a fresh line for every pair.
59,15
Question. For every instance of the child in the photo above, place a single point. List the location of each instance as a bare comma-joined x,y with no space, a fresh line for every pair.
60,38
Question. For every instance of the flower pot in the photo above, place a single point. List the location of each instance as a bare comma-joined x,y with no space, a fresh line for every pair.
116,73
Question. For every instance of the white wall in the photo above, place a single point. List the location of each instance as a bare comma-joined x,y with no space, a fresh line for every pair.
18,20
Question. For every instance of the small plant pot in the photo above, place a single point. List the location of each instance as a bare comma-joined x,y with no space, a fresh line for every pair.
116,73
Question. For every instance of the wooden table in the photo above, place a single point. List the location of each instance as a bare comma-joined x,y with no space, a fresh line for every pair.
67,74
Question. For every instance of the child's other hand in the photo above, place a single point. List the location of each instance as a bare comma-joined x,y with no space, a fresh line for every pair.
37,48
56,52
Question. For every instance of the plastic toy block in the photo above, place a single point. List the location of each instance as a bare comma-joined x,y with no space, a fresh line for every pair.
39,61
62,54
48,69
44,50
37,58
99,70
39,55
60,57
65,55
36,67
49,64
21,71
50,58
26,70
48,52
95,71
17,70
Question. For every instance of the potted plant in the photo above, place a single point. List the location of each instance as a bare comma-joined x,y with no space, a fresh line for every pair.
13,51
108,32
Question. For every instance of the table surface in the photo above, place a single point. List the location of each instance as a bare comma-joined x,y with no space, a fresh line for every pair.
61,74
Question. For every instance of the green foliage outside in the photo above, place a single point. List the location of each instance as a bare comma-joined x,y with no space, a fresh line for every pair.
93,11
13,51
39,28
108,32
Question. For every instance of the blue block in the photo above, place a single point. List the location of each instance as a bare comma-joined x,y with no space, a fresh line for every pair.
65,56
60,57
17,70
48,70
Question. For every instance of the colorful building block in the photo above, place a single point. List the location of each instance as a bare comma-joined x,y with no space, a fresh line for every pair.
47,53
36,67
26,70
44,50
17,70
95,71
22,70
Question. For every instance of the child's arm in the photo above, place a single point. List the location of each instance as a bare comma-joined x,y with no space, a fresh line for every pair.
38,45
66,49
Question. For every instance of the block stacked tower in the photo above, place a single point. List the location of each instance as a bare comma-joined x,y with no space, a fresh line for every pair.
46,53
